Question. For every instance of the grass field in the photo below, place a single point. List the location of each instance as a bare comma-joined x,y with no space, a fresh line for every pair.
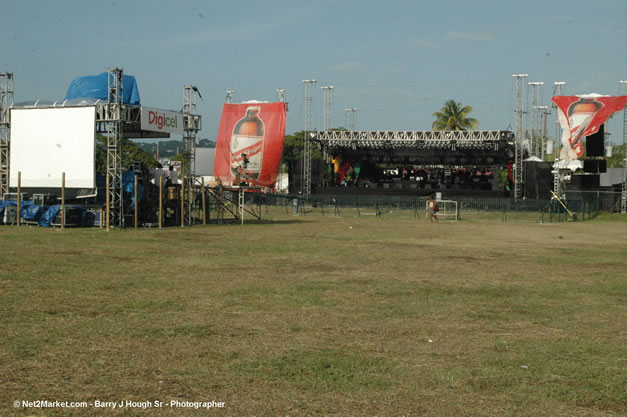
312,315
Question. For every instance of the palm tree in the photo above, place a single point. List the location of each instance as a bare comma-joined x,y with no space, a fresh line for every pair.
454,117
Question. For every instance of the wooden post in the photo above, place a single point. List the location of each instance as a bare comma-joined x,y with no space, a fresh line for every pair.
19,196
202,194
136,199
182,203
63,200
160,201
107,208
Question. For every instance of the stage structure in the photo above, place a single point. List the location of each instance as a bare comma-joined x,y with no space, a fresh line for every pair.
426,148
6,101
115,118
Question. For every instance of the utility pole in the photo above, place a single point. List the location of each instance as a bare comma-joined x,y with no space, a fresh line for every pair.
518,151
308,126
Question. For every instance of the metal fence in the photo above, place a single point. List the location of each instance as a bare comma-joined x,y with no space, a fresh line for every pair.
574,207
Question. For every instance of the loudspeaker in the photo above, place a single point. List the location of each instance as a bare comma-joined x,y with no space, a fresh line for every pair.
595,144
538,180
595,166
584,181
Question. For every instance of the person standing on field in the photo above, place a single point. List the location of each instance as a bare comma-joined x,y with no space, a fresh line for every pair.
432,208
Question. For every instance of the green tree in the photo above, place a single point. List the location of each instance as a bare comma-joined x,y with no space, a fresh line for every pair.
616,160
454,117
130,153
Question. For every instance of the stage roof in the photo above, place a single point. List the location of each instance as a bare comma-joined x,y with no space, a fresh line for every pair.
486,147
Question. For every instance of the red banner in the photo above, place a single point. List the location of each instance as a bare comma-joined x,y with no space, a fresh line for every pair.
250,144
582,116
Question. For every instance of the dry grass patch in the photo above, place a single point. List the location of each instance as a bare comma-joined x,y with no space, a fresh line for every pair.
313,315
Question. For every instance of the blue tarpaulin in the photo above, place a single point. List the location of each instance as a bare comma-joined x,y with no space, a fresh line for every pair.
97,86
48,217
128,185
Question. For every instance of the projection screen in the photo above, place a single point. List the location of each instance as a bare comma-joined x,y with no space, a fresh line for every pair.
47,142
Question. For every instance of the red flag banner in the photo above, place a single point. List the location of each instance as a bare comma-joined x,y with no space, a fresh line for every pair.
250,143
582,116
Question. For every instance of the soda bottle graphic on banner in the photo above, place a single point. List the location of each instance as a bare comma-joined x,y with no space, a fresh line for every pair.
247,145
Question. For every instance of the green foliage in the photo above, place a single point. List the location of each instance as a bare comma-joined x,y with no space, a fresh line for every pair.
131,152
454,117
618,154
293,148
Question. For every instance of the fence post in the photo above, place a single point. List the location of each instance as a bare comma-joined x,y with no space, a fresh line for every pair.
135,201
204,207
108,204
63,200
160,201
19,196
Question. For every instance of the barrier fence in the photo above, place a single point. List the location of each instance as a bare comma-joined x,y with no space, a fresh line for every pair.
180,206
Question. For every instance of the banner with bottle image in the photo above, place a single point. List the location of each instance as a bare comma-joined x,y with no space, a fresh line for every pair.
581,116
250,144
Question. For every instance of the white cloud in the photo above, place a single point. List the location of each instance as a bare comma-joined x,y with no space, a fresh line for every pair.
346,66
469,36
425,43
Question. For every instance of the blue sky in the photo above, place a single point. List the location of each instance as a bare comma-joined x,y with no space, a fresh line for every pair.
396,61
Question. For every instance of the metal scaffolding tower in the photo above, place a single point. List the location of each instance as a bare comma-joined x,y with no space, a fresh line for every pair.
328,106
544,115
6,101
308,127
351,118
535,94
519,131
557,179
191,126
113,121
623,200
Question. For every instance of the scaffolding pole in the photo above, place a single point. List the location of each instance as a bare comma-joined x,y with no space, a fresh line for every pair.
518,149
557,179
191,125
113,120
6,101
308,127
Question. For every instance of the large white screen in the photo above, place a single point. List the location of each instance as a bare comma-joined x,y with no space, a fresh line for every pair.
47,142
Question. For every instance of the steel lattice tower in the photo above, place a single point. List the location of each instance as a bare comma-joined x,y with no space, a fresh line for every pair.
191,126
115,133
6,101
519,131
623,200
351,116
308,127
557,182
536,118
328,106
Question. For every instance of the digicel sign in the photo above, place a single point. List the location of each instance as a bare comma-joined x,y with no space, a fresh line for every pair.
161,121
